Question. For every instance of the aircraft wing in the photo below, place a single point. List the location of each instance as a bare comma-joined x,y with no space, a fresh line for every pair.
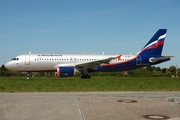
92,64
159,58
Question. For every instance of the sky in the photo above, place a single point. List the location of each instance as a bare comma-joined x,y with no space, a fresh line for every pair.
87,26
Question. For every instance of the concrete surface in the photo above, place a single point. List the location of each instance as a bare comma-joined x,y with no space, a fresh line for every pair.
90,106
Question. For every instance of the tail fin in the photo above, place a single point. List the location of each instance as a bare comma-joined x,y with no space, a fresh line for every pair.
155,44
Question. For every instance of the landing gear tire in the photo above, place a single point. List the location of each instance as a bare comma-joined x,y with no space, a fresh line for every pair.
85,77
28,76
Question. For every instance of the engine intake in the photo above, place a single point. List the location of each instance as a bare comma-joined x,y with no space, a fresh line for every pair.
65,72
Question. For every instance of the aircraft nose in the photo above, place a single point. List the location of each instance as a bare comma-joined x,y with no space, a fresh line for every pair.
7,65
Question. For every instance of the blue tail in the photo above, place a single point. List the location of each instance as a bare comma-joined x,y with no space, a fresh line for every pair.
155,45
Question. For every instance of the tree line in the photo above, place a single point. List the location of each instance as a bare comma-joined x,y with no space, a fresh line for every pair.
149,71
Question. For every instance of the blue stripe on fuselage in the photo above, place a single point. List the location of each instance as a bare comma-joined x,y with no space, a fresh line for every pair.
128,65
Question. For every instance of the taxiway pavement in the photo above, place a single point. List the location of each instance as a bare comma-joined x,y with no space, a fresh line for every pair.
90,106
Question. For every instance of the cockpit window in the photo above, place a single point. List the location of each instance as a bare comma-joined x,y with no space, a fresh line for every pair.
14,59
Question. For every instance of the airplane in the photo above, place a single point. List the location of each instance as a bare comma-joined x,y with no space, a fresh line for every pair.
66,65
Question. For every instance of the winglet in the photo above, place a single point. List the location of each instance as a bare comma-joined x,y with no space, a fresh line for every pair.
119,57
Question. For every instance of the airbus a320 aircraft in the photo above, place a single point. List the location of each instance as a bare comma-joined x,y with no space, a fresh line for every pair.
65,65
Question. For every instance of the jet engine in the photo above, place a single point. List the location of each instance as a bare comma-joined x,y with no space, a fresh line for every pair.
65,72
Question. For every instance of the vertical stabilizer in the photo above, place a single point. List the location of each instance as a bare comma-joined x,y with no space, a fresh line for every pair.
155,45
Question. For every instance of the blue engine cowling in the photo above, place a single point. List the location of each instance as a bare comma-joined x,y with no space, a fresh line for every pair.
65,71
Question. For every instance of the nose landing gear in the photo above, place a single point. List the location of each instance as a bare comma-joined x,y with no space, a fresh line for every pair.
28,76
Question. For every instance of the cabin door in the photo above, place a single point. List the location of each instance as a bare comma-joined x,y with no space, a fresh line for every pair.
27,59
138,60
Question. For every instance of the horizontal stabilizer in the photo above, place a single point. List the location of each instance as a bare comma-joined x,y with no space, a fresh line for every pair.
153,60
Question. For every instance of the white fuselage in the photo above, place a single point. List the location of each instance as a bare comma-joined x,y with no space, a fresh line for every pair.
50,62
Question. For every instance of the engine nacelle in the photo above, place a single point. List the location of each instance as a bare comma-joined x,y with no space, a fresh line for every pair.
65,71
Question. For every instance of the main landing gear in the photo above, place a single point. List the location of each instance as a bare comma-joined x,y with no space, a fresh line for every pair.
85,76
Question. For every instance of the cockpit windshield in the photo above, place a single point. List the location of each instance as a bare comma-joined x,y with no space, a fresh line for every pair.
14,59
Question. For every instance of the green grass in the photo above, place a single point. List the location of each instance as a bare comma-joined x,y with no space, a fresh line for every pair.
75,84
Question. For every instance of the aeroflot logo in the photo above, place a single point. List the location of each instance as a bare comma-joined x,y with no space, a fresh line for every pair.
49,55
